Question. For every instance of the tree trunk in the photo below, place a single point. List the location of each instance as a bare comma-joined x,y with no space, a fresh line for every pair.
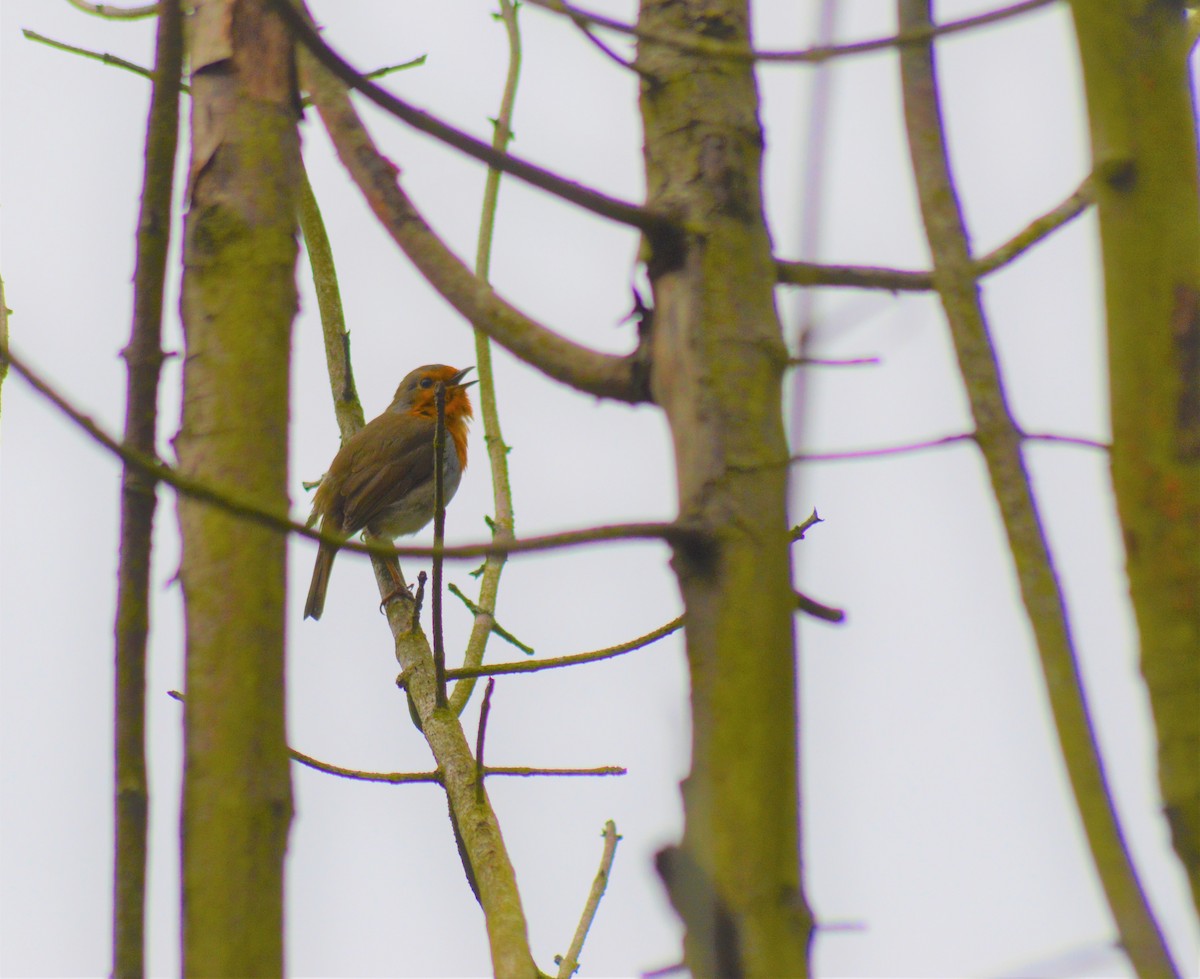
239,299
718,362
1140,104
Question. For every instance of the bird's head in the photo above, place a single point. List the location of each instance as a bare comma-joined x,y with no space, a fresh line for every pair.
417,392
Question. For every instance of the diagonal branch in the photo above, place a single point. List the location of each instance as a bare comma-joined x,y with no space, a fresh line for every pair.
903,280
573,364
815,55
999,440
584,197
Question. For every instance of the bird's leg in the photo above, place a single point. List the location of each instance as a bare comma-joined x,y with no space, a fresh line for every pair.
399,587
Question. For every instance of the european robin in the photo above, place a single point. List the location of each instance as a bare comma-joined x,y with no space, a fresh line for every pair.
381,480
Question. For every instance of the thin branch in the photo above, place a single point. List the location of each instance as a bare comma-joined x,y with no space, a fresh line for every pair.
503,523
999,439
392,778
498,669
674,533
439,537
576,365
938,443
488,620
826,613
568,964
1038,229
789,273
412,778
827,362
591,200
902,280
109,12
813,55
798,532
485,711
109,59
4,311
143,359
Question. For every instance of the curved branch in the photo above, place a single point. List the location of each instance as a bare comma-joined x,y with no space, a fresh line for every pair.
572,363
903,280
109,12
604,205
814,55
528,666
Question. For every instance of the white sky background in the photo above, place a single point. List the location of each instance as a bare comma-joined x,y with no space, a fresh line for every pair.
937,815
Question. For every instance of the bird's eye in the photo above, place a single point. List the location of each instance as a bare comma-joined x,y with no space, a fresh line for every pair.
427,382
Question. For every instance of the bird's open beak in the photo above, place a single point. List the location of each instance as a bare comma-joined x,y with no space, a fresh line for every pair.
457,379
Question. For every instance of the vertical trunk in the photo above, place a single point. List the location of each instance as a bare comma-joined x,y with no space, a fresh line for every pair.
1143,127
718,360
238,303
144,358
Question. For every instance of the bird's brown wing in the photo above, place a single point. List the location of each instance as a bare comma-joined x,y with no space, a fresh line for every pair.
400,460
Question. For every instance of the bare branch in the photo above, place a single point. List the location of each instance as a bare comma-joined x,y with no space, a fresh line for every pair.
826,613
568,964
902,280
497,669
938,443
814,55
109,12
999,440
503,522
598,203
575,365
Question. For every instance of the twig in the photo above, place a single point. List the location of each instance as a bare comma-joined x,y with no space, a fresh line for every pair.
938,443
814,55
439,536
999,440
109,12
504,523
826,362
498,669
826,613
568,964
797,532
109,59
4,311
485,711
412,778
902,280
490,621
143,359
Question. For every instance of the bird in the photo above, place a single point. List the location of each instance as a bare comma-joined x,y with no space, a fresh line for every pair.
381,480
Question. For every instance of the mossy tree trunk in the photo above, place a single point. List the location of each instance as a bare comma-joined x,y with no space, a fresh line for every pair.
718,363
1143,128
238,303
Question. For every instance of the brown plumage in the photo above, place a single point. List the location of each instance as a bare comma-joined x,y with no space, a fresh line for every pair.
381,480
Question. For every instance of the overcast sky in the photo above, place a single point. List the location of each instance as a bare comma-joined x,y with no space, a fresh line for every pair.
939,832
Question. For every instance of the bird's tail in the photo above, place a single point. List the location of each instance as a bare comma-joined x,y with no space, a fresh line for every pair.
320,581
